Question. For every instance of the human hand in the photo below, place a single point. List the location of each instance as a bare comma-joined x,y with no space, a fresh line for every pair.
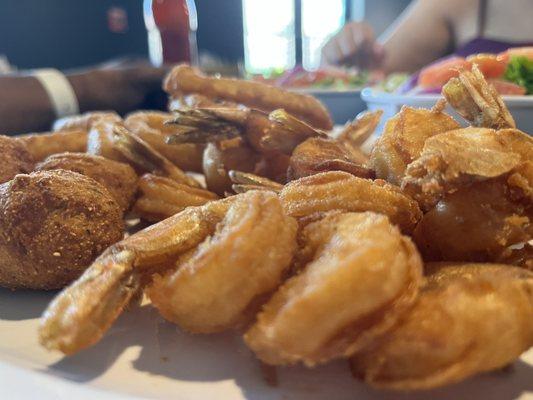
353,45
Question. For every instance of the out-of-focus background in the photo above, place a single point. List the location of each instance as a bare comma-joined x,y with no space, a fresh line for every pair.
259,34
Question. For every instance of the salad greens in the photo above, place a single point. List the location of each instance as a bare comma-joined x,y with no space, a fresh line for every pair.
332,82
392,82
520,71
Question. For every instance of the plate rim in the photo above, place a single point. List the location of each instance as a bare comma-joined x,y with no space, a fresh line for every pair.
377,96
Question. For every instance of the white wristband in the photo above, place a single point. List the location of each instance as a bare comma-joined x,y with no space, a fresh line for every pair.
59,91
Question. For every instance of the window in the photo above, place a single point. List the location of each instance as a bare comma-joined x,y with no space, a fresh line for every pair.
320,20
268,35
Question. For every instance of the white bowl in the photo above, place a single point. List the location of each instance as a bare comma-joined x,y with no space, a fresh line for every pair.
521,107
343,105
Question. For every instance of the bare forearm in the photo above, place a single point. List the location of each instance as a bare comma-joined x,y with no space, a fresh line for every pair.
25,106
419,36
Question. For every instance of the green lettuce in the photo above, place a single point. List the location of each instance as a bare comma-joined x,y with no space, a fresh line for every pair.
520,71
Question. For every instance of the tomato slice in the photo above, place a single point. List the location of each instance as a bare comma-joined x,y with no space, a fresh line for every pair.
436,75
508,88
517,51
490,65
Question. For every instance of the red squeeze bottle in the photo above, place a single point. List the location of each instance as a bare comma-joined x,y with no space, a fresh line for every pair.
171,26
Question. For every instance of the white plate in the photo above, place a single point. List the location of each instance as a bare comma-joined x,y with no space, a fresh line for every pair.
143,356
521,107
344,105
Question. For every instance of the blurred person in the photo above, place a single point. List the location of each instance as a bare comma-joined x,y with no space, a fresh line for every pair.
430,29
28,102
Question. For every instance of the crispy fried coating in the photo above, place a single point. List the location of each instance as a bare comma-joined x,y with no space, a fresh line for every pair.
150,126
42,145
477,101
329,191
100,141
469,318
244,182
220,158
460,157
80,315
320,154
403,140
84,122
358,131
16,159
195,100
222,283
53,224
113,141
277,132
362,275
519,255
183,79
479,222
118,178
161,197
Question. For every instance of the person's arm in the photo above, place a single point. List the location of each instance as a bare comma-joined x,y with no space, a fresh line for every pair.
25,106
420,35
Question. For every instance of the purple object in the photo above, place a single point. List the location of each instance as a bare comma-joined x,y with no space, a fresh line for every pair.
409,84
484,45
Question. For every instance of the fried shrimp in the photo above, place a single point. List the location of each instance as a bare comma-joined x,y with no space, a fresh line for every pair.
161,197
16,159
477,101
403,139
184,79
360,129
264,133
222,284
152,128
220,158
118,178
244,182
100,141
84,122
80,315
470,318
361,276
329,191
53,224
42,145
318,155
194,100
115,142
247,140
464,156
482,221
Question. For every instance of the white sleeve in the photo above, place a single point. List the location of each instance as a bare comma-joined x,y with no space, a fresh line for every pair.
59,91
